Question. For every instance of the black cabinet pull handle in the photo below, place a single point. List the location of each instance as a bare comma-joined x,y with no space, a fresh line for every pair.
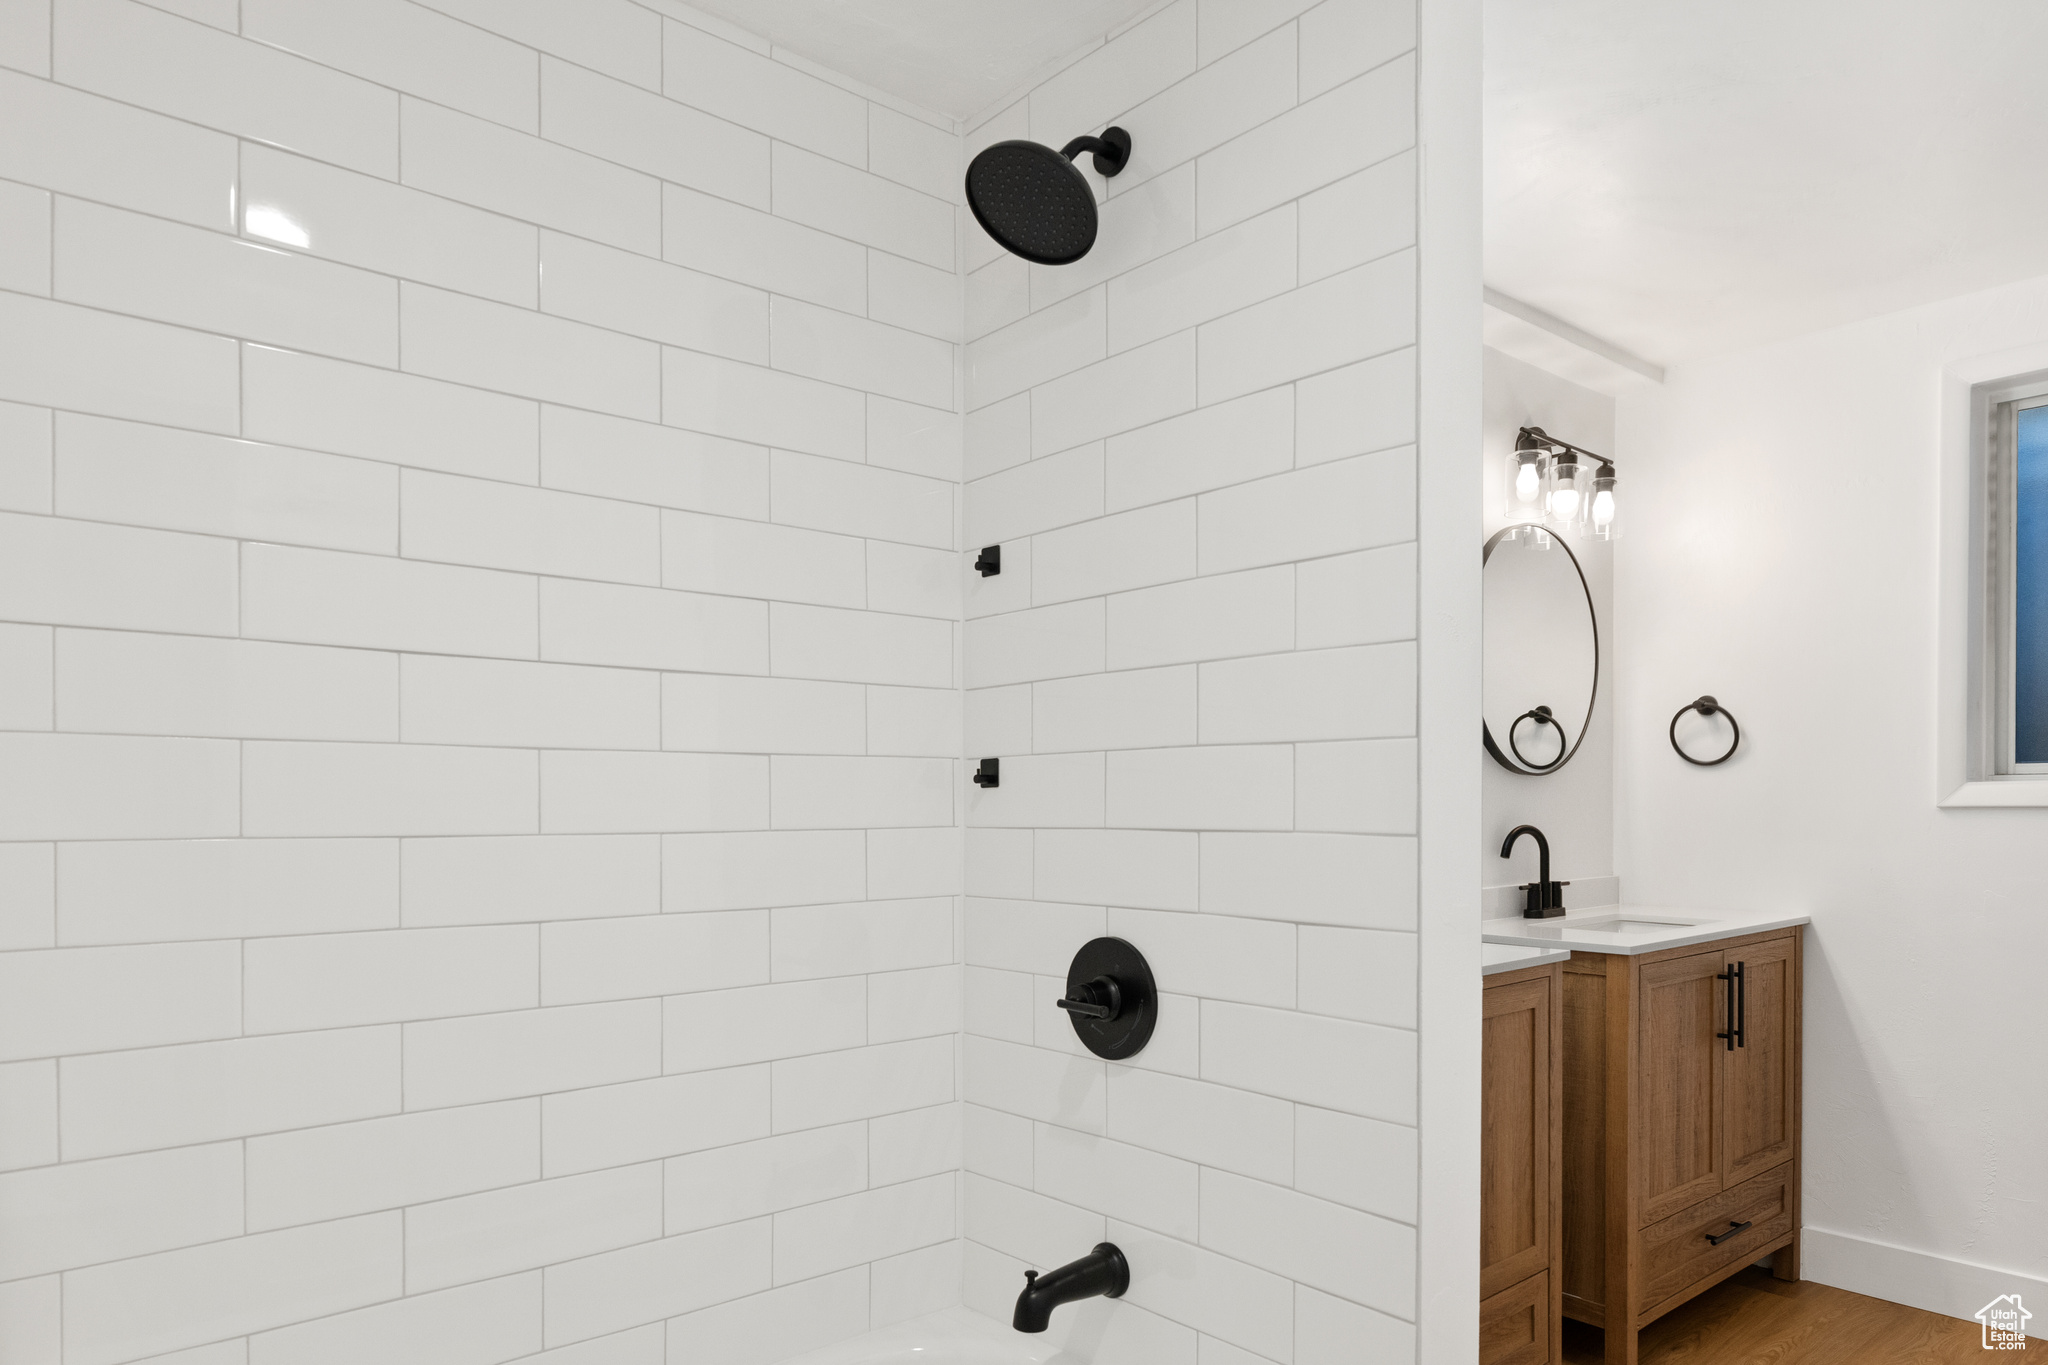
1738,1004
1729,977
1733,1228
1741,1003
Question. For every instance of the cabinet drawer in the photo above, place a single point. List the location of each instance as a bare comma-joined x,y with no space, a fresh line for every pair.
1676,1255
1515,1326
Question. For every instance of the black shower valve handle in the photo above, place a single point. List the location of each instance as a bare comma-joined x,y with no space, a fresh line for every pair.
1101,998
1111,1000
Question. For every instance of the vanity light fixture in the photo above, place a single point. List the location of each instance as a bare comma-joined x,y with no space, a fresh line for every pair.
1569,486
1528,468
1576,487
1600,511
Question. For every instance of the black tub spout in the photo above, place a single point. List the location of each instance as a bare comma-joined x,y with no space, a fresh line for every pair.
1103,1271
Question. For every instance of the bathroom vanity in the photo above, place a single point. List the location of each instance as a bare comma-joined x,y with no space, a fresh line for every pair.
1681,1047
1522,1144
1674,1113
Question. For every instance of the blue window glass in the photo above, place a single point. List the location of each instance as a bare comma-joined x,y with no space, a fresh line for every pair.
2030,590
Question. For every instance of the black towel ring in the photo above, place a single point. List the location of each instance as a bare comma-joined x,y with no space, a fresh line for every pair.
1541,715
1706,706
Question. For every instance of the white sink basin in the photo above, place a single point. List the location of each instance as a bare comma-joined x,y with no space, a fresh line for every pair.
1634,924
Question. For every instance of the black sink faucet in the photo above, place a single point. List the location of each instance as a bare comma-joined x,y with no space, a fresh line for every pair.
1546,897
1102,1271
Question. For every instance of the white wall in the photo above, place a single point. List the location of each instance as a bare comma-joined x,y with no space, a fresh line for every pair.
1574,807
1781,555
1449,390
480,703
1198,668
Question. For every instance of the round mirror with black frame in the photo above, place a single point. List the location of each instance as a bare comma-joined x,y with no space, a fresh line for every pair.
1541,651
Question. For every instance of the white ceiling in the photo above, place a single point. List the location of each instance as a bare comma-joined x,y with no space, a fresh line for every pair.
1682,178
955,57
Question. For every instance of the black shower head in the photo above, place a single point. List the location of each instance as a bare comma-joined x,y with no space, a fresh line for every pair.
1034,202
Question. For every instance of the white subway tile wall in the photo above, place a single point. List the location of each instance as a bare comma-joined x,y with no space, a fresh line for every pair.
487,871
479,630
1196,448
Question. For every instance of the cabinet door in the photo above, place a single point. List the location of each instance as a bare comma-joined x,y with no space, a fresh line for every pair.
1760,1082
1518,1326
1514,1181
1678,1063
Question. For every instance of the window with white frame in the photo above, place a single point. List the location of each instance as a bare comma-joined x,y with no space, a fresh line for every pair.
2017,586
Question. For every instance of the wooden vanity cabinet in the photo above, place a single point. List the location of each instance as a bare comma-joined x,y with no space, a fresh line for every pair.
1521,1223
1681,1160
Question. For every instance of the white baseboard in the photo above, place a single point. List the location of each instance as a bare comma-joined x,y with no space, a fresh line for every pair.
1914,1278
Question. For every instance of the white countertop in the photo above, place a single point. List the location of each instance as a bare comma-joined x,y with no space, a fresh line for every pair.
1501,957
1677,929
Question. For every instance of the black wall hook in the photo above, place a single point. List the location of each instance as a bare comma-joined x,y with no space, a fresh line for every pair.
990,561
990,773
1706,706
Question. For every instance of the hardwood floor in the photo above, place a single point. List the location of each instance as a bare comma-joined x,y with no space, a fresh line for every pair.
1753,1319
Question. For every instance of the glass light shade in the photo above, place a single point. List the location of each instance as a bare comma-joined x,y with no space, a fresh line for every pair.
1522,495
1569,489
1601,511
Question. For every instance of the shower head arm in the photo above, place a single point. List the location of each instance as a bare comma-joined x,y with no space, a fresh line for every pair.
1111,150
